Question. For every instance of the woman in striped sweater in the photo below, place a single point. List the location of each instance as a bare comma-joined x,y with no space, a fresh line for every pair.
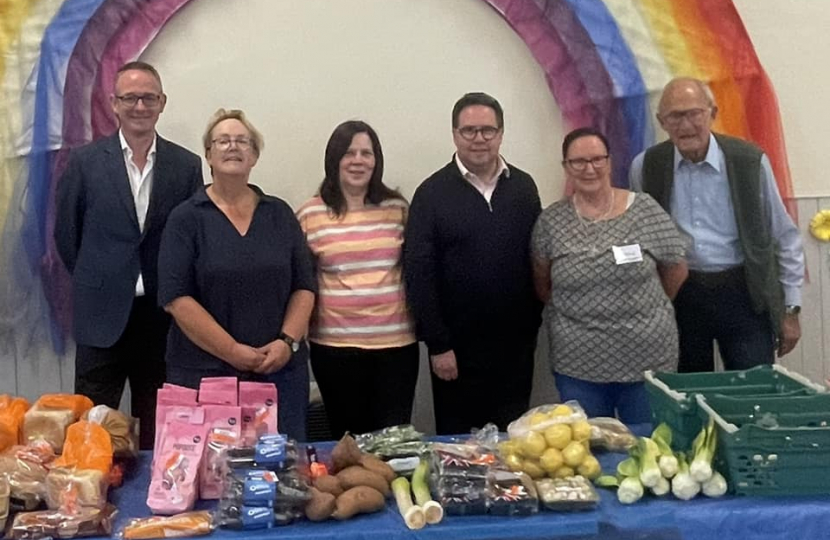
364,353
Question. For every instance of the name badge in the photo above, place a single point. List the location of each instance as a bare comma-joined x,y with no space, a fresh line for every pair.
627,254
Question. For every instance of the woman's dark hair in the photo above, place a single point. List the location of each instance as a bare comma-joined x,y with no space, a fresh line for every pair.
578,133
336,148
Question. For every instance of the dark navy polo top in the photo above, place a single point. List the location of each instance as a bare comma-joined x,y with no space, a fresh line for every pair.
244,282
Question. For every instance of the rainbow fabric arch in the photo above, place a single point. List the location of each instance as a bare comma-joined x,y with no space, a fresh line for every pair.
605,62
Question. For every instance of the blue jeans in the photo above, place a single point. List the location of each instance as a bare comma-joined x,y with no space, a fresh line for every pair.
626,401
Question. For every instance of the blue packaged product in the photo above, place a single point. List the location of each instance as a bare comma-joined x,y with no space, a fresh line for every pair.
266,454
258,493
256,517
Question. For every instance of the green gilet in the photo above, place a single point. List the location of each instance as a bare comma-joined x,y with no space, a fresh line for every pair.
743,167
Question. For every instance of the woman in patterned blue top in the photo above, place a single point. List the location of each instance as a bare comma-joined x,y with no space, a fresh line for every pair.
607,263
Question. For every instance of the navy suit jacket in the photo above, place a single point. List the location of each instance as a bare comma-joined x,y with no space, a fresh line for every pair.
98,236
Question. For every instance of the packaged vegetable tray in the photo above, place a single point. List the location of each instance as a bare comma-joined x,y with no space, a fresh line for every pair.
771,445
672,395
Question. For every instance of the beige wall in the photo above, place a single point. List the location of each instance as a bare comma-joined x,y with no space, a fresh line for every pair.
792,39
301,67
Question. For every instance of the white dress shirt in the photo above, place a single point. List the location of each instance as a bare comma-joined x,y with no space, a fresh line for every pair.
484,186
141,183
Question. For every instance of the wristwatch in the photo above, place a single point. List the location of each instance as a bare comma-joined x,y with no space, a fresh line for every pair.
293,344
792,310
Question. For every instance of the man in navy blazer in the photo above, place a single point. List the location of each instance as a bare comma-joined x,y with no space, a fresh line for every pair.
112,204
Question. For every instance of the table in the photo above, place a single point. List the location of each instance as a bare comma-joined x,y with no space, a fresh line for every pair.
734,518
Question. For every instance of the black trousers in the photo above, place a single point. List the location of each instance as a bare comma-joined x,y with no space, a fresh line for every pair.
717,307
364,389
137,356
493,385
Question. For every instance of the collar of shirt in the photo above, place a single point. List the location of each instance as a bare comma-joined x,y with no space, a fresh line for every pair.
201,197
128,152
472,178
714,156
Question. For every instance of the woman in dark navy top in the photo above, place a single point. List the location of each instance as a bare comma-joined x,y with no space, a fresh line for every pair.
236,275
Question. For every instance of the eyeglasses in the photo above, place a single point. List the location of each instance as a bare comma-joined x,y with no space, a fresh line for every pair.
225,143
581,164
131,100
469,133
694,116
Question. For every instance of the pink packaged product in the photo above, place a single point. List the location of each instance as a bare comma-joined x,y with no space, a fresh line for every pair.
170,395
259,410
219,390
224,427
174,483
180,394
172,413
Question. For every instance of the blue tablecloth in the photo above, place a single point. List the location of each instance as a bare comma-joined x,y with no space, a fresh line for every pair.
733,518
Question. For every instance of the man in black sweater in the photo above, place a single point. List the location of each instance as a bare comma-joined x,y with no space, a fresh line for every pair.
468,275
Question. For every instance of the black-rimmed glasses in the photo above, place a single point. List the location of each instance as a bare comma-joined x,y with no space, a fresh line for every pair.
580,164
131,100
469,133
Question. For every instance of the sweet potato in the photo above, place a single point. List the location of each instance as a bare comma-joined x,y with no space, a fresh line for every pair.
379,466
345,453
358,500
328,484
321,506
358,476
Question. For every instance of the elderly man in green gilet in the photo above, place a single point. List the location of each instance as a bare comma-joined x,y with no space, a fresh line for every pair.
745,254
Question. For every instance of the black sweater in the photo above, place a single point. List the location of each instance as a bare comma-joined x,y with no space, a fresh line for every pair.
467,264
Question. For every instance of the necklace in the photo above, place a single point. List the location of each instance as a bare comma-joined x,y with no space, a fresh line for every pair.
600,223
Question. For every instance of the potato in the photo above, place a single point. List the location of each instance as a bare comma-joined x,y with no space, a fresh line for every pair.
328,484
379,466
359,476
321,506
345,453
358,500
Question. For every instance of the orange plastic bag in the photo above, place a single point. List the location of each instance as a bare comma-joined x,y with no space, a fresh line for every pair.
87,446
12,410
76,403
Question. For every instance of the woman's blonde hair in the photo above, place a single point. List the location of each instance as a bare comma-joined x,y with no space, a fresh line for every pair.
257,142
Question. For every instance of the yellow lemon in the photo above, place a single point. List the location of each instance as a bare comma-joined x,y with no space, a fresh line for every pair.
574,454
551,460
590,468
533,469
537,418
513,462
581,430
533,444
508,447
563,472
561,410
558,436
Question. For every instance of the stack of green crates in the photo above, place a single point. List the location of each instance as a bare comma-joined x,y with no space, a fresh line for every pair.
765,416
672,395
772,445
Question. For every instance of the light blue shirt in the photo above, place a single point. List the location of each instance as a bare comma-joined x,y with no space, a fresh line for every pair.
701,206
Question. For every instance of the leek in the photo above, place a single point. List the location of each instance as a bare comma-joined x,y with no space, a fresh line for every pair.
433,512
413,515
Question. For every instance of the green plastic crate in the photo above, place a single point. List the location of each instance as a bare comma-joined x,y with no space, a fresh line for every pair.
779,446
672,395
